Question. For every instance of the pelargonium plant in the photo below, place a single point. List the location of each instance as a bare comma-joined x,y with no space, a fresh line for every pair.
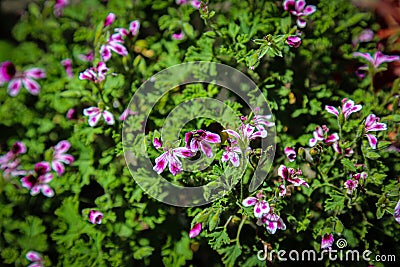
318,170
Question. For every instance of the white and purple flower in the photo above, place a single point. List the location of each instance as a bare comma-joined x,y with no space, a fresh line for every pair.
178,35
327,241
396,212
272,222
9,162
60,157
231,153
16,79
291,175
35,258
320,134
109,19
299,9
95,216
132,31
348,108
261,206
373,61
347,152
293,41
38,180
350,185
170,158
290,153
372,124
95,74
196,230
114,43
96,113
201,139
59,7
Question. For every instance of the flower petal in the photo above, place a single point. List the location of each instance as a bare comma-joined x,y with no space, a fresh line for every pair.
105,52
161,163
212,138
300,4
366,56
206,148
308,10
195,231
261,208
33,256
134,27
58,167
118,48
301,22
62,146
92,111
372,140
14,86
35,73
249,201
332,110
233,133
93,120
183,152
32,86
109,19
108,117
46,190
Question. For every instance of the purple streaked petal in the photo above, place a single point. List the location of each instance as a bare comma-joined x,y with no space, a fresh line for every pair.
249,201
296,181
372,140
381,58
65,158
183,152
93,120
105,52
28,181
332,138
195,3
308,10
7,71
290,153
109,19
95,217
157,143
289,5
261,208
212,138
62,147
42,167
134,27
108,117
47,190
35,73
312,142
194,145
46,178
18,148
195,231
378,126
58,167
92,111
283,172
233,133
118,48
327,241
301,22
282,190
14,87
370,120
235,159
225,156
366,56
35,190
32,86
271,226
300,4
332,110
161,163
33,256
36,264
206,148
175,166
281,224
178,36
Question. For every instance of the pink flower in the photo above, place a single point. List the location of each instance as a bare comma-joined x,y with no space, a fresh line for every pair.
178,36
109,19
200,139
95,216
86,57
114,43
372,124
351,185
374,61
290,153
327,241
59,7
365,36
361,175
299,9
170,158
320,134
194,3
195,231
396,212
282,190
291,175
348,108
17,79
36,258
293,41
95,74
272,222
127,112
67,63
261,206
133,30
38,180
247,132
9,162
95,114
231,153
59,157
71,114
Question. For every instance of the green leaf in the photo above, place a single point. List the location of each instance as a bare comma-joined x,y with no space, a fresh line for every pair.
335,202
372,155
143,252
230,254
347,164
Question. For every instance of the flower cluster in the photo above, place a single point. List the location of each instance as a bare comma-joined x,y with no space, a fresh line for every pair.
95,74
348,108
10,163
95,113
37,181
320,134
16,78
299,9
